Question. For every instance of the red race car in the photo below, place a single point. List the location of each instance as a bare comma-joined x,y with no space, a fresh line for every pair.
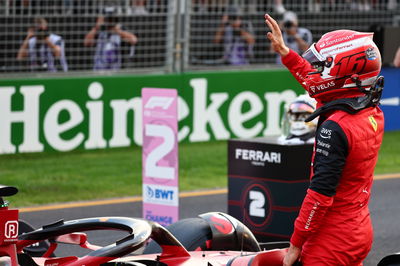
211,239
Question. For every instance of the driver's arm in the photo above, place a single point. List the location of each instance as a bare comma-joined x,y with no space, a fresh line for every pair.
298,66
331,149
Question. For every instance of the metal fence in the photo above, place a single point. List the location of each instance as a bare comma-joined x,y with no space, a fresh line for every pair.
163,35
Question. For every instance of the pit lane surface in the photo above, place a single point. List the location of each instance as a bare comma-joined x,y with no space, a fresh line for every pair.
384,206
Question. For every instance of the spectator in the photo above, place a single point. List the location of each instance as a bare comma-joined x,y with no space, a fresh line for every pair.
67,7
237,36
45,49
138,7
278,6
296,38
315,5
108,35
392,4
396,60
200,6
364,5
295,130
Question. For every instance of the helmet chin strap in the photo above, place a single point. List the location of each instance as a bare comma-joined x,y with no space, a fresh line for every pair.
353,105
356,79
375,91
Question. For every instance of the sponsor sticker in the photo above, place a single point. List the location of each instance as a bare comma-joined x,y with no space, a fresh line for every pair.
164,195
323,144
257,157
325,133
11,229
373,122
322,87
8,226
370,53
164,220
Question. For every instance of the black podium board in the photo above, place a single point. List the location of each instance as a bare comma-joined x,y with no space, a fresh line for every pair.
267,183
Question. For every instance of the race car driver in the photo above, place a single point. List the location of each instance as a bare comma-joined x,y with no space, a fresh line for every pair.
341,72
295,131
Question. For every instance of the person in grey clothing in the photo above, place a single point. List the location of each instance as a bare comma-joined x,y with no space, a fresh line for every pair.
296,38
237,36
107,35
46,50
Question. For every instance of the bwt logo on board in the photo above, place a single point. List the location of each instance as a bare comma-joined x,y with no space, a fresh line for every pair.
160,193
157,194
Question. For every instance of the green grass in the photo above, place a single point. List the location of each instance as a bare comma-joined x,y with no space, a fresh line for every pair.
85,175
389,154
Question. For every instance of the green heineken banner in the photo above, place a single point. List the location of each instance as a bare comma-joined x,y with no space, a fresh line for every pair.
64,114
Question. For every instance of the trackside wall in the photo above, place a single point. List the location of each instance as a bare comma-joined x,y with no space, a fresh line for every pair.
63,114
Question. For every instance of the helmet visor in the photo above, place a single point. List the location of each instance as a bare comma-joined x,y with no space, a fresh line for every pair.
312,55
300,107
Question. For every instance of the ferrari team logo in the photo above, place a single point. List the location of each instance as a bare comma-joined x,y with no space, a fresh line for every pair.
373,122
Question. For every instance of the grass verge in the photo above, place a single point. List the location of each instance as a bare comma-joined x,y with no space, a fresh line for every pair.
87,175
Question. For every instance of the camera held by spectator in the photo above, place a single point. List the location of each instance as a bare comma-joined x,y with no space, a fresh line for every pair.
44,49
109,21
42,34
296,38
288,25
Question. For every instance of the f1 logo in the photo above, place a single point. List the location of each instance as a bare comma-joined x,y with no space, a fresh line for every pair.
159,101
11,229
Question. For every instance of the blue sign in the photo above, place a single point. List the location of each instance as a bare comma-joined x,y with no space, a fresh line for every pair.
390,102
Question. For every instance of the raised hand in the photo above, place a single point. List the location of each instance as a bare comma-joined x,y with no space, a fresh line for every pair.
275,36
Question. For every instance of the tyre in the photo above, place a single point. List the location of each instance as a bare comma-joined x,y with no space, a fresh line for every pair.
391,260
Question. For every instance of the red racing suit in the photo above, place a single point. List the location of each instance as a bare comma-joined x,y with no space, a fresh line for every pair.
334,225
